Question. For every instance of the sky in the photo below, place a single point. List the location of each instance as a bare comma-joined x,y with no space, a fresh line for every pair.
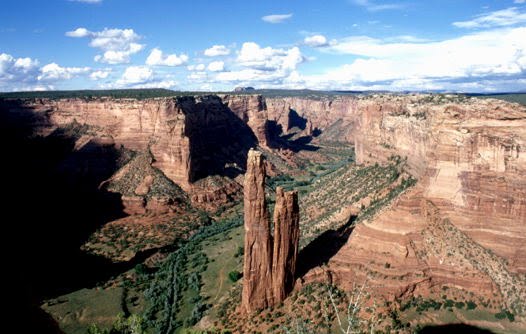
445,45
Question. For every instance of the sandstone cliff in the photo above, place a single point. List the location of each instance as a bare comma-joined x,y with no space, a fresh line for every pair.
469,156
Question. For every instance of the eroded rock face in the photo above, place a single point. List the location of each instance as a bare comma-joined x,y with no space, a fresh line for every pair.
270,262
470,159
286,239
257,268
189,138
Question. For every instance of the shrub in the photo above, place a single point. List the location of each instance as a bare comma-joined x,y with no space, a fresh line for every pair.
234,276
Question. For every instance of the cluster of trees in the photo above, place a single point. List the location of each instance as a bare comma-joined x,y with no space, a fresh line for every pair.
179,274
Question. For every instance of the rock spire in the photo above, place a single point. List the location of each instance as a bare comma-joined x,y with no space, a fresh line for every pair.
269,262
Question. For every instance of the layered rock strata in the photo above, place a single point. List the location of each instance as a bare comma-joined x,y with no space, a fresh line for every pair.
470,158
270,262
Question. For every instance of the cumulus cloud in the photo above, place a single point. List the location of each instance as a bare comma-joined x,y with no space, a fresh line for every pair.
157,58
499,18
262,66
490,55
26,74
372,6
141,77
117,44
217,50
276,18
136,75
269,59
216,66
100,74
55,72
315,41
17,72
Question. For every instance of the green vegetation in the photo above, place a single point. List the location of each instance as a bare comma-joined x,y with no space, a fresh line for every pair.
91,94
134,324
516,98
234,276
174,296
505,314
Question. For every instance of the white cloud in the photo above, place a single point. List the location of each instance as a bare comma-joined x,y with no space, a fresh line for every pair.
262,66
199,67
135,75
500,18
217,50
118,44
55,72
372,6
269,59
87,1
519,1
17,73
79,32
140,77
216,66
156,58
315,41
100,74
276,18
497,54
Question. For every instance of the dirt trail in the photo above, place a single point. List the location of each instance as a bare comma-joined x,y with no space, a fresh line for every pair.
221,280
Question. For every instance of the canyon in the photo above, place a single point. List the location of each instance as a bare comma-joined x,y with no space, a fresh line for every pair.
462,226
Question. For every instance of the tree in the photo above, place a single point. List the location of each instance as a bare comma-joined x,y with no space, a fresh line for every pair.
234,276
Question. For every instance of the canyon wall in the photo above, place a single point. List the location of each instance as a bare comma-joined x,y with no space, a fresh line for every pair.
464,224
468,154
199,143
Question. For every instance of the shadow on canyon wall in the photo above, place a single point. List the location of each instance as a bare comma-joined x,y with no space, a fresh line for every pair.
323,248
219,140
279,139
453,329
53,203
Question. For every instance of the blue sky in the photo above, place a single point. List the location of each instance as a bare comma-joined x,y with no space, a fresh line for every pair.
457,45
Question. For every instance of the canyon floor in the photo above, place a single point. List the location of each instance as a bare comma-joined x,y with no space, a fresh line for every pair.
129,212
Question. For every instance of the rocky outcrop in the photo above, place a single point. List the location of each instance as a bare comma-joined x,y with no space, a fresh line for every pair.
286,239
470,158
270,262
257,268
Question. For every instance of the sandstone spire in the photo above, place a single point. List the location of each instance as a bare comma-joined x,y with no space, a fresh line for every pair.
257,281
286,238
269,266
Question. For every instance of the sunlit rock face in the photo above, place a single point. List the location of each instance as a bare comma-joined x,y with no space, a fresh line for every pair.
270,260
